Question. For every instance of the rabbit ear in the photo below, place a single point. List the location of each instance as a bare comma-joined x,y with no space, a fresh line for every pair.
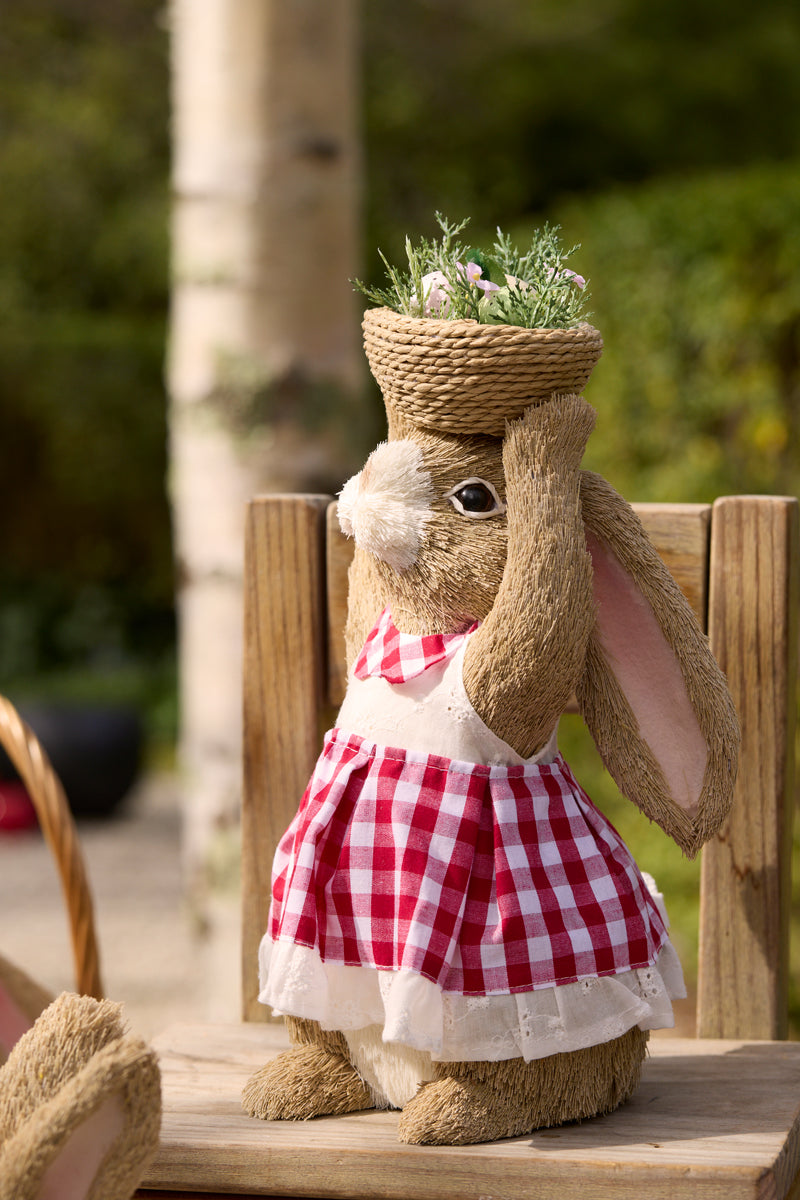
72,1172
632,645
652,695
78,1128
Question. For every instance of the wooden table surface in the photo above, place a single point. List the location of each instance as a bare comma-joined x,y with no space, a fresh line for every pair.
710,1119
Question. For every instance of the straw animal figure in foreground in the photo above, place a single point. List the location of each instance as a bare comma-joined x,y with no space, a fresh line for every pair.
80,1099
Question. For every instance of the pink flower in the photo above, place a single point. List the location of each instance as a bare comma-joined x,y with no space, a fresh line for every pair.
578,280
565,273
473,275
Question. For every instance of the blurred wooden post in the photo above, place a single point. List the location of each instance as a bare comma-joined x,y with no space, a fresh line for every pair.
745,903
284,679
265,361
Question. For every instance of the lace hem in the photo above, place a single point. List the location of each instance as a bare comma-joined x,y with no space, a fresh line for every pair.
453,1028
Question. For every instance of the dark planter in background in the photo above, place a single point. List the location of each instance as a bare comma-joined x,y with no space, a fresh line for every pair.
96,751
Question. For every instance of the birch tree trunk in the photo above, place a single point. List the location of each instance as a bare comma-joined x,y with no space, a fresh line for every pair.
264,367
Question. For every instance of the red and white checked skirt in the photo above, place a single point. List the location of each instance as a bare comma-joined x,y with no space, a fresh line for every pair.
486,880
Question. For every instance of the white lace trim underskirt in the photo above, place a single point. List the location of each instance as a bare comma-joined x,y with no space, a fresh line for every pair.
450,1027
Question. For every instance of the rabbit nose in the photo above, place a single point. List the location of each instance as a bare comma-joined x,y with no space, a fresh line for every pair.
387,505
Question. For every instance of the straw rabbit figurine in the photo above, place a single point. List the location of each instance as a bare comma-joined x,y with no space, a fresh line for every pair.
80,1099
455,930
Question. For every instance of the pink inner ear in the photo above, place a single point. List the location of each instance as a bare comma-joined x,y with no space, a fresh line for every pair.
650,676
72,1172
13,1021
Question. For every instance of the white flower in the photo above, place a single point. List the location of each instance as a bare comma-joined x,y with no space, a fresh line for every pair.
436,288
435,294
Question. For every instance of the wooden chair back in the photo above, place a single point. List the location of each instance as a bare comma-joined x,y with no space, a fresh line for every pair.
737,563
716,1115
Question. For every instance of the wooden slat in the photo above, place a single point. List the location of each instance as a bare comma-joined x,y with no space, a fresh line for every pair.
679,533
710,1120
340,550
283,688
147,1194
742,989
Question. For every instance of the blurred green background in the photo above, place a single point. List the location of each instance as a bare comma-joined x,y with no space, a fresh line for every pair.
85,558
664,137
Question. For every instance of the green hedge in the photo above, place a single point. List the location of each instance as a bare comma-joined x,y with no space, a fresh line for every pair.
696,288
86,579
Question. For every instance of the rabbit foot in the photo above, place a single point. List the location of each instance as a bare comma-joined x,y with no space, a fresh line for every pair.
306,1081
483,1101
459,1112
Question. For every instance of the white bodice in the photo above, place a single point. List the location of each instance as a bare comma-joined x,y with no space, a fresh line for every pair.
429,714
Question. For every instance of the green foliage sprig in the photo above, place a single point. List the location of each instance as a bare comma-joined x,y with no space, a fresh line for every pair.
447,279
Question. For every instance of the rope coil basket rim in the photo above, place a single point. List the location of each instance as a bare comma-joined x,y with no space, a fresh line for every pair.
466,377
58,828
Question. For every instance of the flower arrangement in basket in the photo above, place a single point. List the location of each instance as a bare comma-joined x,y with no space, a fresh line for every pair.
448,280
465,336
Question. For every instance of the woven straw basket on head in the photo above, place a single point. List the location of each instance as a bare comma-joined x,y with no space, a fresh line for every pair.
464,377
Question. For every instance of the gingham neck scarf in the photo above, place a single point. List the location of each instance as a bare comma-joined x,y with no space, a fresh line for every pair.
398,657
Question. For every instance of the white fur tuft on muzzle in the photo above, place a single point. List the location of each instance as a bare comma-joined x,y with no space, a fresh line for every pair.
386,506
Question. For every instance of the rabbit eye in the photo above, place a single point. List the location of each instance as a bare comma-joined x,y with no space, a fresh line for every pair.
476,498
